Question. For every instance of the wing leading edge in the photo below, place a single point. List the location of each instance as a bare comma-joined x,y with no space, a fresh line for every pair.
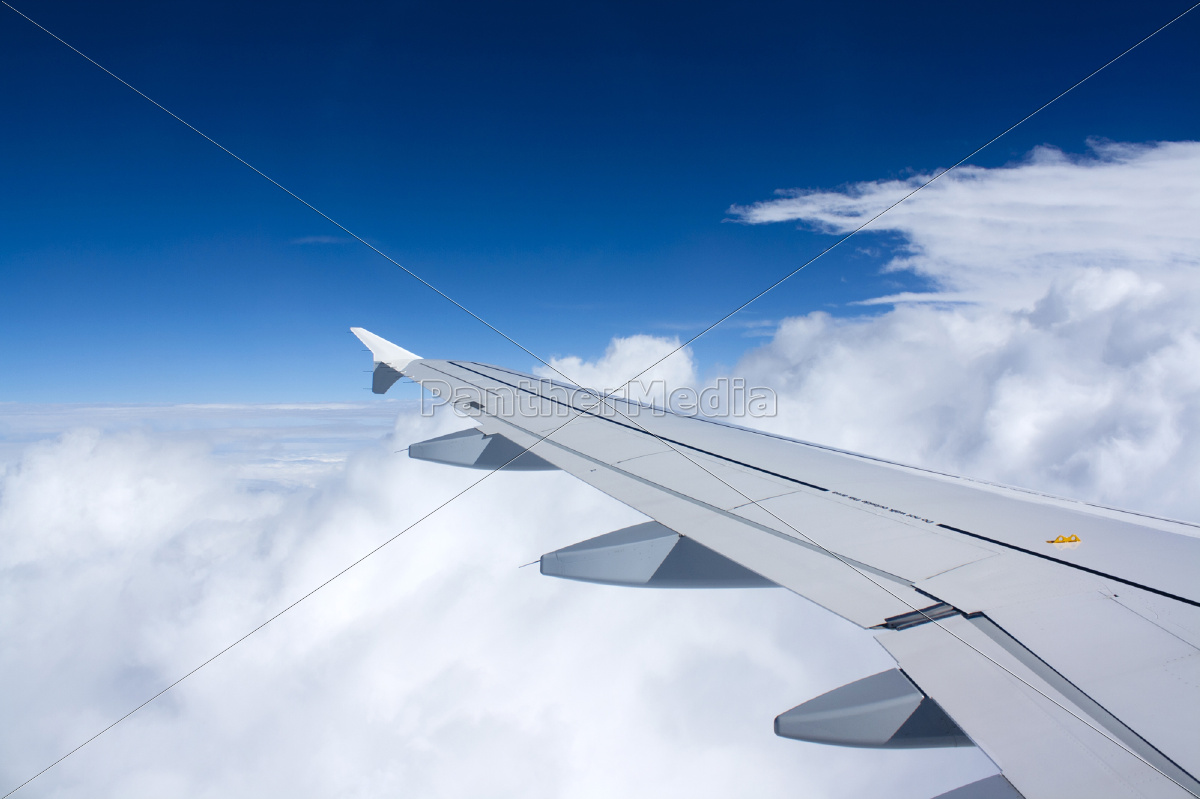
1062,638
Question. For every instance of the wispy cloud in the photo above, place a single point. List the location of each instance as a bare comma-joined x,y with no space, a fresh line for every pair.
1002,236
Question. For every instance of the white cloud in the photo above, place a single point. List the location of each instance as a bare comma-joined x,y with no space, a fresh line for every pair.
1072,368
134,552
624,359
1002,236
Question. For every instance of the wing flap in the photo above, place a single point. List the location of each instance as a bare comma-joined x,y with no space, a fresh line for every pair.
1132,667
1042,741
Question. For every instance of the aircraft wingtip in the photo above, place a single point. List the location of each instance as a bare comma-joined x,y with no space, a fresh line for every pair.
385,351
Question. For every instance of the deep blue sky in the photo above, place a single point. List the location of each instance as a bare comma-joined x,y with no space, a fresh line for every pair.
562,170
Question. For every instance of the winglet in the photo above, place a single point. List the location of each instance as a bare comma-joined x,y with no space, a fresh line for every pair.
390,359
385,351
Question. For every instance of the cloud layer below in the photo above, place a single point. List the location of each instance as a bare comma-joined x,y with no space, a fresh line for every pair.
136,549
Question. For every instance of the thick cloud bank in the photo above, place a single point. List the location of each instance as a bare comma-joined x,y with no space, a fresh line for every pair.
139,542
1068,361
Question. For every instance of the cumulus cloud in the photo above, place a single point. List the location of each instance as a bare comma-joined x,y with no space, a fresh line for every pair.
135,547
1069,362
624,359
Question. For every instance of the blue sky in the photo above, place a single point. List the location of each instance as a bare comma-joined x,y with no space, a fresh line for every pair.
569,172
565,172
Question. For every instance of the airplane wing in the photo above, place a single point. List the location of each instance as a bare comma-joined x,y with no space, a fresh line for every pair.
1061,638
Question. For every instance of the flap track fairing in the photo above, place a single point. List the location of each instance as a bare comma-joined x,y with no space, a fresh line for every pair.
883,711
474,450
649,555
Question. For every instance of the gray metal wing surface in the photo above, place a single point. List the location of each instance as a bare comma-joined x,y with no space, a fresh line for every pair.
1061,638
